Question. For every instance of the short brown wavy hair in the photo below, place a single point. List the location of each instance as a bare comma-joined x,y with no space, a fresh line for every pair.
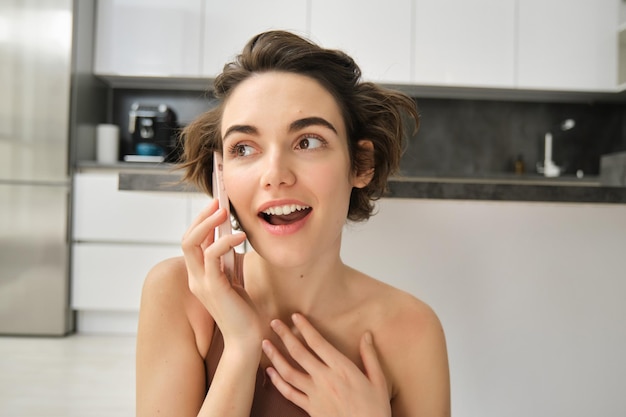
369,111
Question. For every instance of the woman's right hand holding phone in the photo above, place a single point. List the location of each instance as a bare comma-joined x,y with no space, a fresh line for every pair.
228,303
232,387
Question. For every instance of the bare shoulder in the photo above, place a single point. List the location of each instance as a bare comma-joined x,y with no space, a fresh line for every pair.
411,343
166,299
410,316
399,312
170,343
169,275
166,288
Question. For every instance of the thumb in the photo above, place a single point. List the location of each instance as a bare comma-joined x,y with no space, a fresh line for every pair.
373,368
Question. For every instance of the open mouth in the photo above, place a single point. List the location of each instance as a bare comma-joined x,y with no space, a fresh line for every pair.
286,214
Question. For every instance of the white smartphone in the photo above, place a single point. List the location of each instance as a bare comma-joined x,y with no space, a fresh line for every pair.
219,192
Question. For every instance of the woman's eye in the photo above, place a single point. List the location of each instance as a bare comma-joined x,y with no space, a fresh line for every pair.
240,149
310,142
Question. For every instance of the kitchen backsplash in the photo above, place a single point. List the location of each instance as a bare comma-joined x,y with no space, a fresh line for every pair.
460,137
483,137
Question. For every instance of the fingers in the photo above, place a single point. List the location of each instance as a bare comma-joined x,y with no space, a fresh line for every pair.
204,213
212,254
287,391
322,348
224,244
326,351
199,235
373,368
331,383
201,252
199,230
297,350
289,381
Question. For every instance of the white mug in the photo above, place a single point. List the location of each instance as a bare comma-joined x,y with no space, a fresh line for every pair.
107,143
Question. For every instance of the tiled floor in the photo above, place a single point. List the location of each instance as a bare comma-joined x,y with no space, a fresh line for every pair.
75,376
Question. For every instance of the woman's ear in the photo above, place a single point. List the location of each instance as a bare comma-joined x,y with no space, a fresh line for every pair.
364,163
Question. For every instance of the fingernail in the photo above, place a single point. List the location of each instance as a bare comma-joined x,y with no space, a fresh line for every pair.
295,317
275,324
266,346
368,338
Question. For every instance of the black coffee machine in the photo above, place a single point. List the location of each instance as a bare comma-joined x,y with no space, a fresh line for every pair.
153,132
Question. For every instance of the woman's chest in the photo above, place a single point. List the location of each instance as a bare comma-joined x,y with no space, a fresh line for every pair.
338,339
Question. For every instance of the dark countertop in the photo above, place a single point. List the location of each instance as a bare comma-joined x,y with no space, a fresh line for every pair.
552,190
161,177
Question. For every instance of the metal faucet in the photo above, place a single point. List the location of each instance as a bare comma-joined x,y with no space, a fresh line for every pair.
549,168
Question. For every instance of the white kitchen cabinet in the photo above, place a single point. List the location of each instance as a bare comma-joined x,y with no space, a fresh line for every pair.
376,34
102,213
228,25
568,44
117,237
149,38
109,277
465,43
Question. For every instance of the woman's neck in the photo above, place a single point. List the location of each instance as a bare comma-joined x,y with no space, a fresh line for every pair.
311,289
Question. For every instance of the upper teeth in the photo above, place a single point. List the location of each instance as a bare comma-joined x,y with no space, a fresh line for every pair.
283,210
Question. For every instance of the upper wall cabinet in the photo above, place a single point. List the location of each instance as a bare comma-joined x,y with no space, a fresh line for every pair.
228,25
376,34
560,45
149,38
465,43
568,44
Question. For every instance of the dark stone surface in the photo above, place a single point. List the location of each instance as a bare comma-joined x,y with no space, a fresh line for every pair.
506,192
140,181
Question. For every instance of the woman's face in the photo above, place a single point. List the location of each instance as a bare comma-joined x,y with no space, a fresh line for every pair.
287,167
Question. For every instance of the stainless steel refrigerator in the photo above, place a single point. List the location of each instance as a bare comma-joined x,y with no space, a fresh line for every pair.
35,79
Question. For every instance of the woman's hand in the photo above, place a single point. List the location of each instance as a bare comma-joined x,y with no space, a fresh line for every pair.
332,385
229,305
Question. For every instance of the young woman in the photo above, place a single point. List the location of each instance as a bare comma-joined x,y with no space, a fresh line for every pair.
306,145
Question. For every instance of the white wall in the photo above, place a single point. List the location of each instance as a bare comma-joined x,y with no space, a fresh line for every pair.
531,296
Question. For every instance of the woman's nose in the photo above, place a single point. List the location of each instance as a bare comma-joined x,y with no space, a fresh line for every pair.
278,170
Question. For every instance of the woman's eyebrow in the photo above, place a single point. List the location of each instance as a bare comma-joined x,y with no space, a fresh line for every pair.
293,127
247,129
310,121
